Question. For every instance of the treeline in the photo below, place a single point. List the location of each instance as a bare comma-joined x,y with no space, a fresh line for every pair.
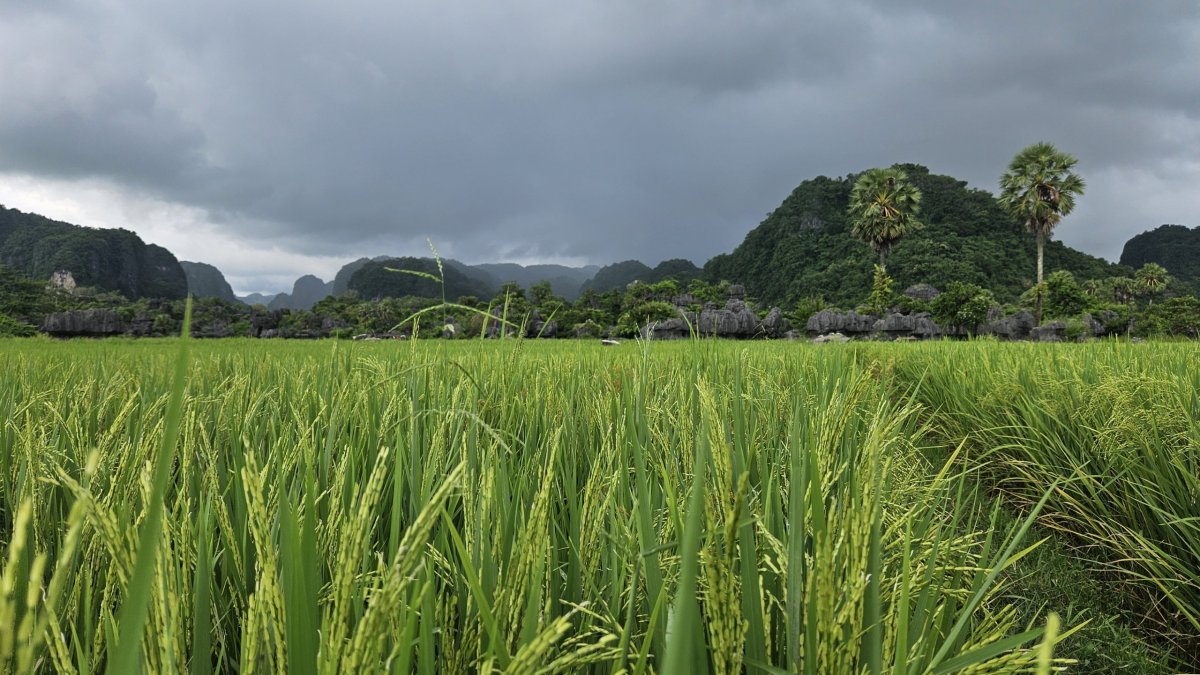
26,303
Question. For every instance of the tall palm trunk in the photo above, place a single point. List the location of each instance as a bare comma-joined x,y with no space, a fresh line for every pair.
1041,245
883,260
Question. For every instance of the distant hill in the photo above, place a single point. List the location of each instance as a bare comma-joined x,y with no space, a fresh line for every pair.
805,248
306,292
1175,247
564,281
341,282
258,298
620,275
106,259
206,281
374,279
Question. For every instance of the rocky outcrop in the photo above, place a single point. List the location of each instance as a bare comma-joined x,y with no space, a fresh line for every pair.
537,327
919,325
84,322
733,321
1015,326
830,321
1055,331
775,325
831,337
63,280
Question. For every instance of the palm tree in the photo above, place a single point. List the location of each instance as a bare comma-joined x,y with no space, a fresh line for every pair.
884,208
1040,188
1122,289
1152,278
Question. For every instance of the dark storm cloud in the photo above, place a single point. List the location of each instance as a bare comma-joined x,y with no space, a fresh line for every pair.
597,130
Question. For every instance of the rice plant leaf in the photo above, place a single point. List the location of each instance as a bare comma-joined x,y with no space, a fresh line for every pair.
124,659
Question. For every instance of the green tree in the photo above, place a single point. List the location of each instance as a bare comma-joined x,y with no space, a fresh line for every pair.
1152,279
964,306
1039,188
1122,289
1064,296
883,208
881,292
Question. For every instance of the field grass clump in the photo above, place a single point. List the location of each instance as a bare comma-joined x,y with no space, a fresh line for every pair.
484,507
1115,427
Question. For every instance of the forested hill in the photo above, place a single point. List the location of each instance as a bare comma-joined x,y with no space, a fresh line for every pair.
105,259
804,248
620,275
206,281
377,279
1175,247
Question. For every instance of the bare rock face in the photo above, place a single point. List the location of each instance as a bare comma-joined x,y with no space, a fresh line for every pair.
775,326
674,328
919,325
830,337
734,321
84,322
1016,326
1055,331
64,280
829,321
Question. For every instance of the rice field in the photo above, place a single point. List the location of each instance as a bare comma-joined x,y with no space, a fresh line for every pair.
236,506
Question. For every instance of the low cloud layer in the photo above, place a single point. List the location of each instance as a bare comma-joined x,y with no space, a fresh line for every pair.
275,139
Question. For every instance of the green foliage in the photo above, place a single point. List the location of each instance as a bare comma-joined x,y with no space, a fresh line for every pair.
422,508
805,307
633,319
964,306
881,296
1151,280
1064,296
805,247
1174,317
109,259
1119,419
1039,188
10,327
883,208
1174,247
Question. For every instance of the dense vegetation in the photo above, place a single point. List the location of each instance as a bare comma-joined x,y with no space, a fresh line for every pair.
1175,247
711,507
106,259
805,247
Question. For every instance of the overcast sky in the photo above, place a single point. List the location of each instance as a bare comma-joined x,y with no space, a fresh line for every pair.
275,139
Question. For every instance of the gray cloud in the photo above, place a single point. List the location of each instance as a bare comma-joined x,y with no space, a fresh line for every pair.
591,131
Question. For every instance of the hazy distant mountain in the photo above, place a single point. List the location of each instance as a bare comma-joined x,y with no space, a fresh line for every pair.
206,281
620,275
306,292
106,259
565,281
258,298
